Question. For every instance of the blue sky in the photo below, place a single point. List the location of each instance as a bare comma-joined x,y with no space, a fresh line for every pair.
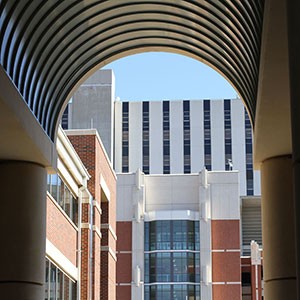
157,76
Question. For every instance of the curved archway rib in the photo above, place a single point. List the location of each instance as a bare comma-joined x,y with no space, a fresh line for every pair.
47,48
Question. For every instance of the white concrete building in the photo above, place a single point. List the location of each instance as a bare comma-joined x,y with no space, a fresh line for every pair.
176,137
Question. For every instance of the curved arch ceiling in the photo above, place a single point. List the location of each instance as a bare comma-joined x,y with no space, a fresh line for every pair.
48,47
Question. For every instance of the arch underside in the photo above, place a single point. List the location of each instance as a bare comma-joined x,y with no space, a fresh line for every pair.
49,47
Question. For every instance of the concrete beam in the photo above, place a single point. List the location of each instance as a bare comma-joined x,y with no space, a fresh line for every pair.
22,137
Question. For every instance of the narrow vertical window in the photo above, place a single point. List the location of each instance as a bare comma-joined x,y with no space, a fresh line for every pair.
166,137
145,141
125,137
249,161
65,118
186,137
207,134
227,134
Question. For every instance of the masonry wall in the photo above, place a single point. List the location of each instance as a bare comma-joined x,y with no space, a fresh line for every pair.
124,262
61,232
226,262
102,186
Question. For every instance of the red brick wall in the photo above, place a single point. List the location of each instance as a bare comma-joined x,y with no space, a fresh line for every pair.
60,231
226,261
93,156
124,260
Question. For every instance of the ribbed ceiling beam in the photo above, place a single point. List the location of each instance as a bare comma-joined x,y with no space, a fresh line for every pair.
48,47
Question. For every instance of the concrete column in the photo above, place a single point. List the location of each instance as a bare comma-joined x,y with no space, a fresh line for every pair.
22,230
293,11
278,229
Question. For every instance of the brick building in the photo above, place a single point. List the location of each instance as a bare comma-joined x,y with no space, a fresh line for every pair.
81,221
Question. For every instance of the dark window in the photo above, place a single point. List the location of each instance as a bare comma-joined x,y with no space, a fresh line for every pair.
65,118
145,141
125,137
246,279
249,159
227,134
166,137
186,137
207,134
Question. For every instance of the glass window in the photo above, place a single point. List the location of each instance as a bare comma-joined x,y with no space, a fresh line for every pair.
173,267
61,193
58,286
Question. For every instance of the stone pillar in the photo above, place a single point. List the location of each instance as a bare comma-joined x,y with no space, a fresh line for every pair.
22,230
278,229
293,11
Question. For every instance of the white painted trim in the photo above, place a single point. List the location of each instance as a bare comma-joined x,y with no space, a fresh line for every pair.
172,215
97,230
124,252
66,151
62,262
105,188
86,226
67,177
97,205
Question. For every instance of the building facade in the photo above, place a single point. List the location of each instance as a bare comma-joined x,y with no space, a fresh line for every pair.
81,224
167,139
183,137
92,107
173,236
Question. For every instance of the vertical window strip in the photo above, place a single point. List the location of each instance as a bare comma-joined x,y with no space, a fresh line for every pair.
186,137
249,159
125,137
178,270
65,118
145,138
227,134
166,137
207,134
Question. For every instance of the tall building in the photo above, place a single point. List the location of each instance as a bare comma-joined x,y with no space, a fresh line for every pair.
162,152
183,137
92,107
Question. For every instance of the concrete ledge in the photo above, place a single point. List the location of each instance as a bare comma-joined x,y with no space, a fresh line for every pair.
22,137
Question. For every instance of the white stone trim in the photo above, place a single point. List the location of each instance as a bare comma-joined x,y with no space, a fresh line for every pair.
104,187
110,250
172,215
97,205
97,230
61,261
86,226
